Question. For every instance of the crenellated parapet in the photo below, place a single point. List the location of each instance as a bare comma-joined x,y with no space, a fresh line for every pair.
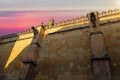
85,47
23,35
103,13
73,21
84,19
25,31
104,17
109,13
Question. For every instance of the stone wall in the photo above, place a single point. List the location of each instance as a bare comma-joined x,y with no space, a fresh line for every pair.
65,52
11,55
13,49
66,55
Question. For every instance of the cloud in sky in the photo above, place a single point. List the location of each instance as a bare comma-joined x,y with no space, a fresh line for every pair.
57,4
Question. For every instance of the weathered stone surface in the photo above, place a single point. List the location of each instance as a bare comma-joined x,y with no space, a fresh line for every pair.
101,69
97,45
63,55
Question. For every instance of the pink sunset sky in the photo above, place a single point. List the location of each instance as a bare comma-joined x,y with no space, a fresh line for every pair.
18,15
15,21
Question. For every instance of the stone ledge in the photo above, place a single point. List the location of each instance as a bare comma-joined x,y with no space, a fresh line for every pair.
15,40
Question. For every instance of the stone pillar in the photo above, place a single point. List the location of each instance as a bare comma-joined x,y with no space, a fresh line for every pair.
93,21
51,22
100,61
30,63
97,44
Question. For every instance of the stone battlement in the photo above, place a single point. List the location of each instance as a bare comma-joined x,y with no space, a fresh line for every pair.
104,17
85,48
